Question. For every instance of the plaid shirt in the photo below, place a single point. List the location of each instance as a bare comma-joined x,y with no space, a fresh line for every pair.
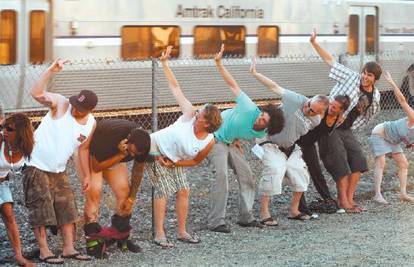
348,83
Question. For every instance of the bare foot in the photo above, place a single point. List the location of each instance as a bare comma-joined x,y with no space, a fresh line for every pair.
406,198
380,199
24,262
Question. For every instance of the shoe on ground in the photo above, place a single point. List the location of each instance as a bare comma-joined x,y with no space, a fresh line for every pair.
128,246
253,223
223,228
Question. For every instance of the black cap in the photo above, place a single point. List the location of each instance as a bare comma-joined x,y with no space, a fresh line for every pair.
86,100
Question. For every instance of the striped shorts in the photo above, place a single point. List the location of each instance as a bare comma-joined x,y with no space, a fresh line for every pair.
166,181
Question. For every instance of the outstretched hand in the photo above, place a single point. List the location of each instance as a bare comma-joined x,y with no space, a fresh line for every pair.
57,65
312,38
219,55
388,77
165,55
253,66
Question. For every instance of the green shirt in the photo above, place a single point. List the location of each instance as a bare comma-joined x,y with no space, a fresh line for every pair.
238,122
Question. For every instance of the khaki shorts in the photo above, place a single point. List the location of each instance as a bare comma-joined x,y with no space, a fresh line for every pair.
49,198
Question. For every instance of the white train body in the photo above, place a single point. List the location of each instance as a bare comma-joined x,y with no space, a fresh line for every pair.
83,29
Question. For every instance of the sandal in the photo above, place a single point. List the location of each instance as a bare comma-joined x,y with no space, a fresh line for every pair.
270,221
190,239
300,217
53,257
77,256
164,243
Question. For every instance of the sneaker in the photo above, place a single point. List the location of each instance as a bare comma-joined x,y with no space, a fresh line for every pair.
128,246
253,223
223,228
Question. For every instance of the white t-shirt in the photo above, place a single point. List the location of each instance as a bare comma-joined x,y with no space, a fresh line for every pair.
57,139
178,141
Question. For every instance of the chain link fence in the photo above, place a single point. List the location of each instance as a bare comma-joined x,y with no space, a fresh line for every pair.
138,90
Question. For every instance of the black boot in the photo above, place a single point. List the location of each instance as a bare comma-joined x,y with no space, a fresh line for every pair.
95,246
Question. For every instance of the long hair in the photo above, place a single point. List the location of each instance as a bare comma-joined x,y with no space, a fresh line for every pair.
24,140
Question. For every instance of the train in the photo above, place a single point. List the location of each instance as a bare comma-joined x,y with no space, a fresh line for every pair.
36,31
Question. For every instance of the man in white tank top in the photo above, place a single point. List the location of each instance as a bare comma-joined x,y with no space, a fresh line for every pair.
67,127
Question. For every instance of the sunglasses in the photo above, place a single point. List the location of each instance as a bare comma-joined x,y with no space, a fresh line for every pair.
7,128
310,109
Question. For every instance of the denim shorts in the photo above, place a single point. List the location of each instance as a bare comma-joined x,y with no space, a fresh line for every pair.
380,146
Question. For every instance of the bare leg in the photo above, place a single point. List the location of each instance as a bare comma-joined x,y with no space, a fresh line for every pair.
402,163
160,205
117,179
264,207
41,237
181,209
378,173
294,205
13,233
93,198
342,185
353,182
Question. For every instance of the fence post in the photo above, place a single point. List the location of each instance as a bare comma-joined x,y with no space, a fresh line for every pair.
154,125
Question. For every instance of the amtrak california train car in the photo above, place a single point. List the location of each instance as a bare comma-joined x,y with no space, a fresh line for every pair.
33,31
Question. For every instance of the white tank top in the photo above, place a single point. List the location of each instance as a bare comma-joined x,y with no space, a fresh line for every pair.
5,166
178,141
57,139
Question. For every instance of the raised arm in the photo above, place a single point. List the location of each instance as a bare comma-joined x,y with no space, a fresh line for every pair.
400,98
186,107
228,78
264,80
38,91
328,58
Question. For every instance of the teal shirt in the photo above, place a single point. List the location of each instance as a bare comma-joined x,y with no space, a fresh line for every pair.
238,122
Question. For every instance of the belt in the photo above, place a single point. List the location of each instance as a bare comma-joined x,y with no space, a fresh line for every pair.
288,150
265,142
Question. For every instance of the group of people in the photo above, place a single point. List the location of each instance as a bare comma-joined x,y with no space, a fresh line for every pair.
286,136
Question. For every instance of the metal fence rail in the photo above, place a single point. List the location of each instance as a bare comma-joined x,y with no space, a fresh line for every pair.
129,89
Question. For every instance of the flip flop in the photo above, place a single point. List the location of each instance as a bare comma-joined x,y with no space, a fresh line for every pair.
270,221
353,210
190,239
49,258
164,243
300,217
77,256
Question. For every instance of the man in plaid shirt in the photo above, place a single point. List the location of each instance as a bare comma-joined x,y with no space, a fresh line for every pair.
340,151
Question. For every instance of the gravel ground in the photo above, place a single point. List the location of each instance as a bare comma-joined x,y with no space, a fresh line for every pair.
382,236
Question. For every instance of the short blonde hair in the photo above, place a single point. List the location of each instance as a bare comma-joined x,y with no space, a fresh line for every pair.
213,117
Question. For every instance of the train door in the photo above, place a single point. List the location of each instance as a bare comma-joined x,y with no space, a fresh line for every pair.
363,32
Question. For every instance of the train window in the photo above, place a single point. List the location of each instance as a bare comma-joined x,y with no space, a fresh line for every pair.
353,35
268,41
37,36
143,42
371,34
8,37
208,39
